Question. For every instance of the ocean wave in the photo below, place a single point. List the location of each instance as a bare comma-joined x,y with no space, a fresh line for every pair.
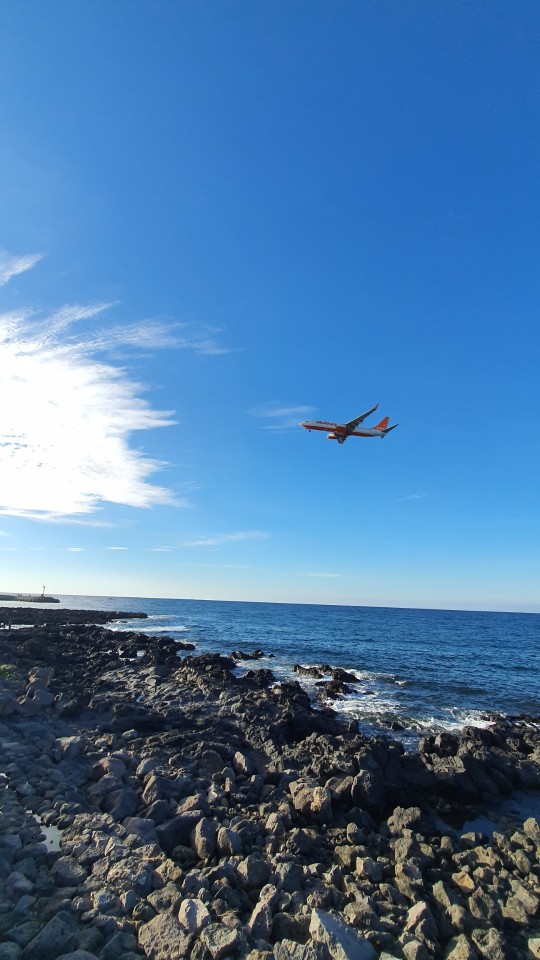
166,630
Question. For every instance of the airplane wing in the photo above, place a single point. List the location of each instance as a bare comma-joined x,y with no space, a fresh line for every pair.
352,424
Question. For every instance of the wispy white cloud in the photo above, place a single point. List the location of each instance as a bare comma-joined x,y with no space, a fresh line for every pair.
11,265
67,421
163,549
3,533
76,549
219,539
413,496
280,417
116,548
55,518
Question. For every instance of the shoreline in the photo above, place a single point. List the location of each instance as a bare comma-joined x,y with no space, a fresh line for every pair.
233,819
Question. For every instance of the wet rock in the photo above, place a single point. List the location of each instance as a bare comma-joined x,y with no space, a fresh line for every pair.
240,655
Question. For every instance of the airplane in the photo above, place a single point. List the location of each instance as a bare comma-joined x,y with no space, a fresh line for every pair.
340,431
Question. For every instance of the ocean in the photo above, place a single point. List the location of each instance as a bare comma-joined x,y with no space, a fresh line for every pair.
420,670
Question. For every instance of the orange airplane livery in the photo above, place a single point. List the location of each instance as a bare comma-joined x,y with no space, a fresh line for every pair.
340,431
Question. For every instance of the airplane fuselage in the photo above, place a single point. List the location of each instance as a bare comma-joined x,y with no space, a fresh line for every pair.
339,432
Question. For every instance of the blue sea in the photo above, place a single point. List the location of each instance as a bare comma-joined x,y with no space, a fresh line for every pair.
424,670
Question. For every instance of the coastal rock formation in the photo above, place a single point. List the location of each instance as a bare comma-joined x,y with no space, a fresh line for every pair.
153,806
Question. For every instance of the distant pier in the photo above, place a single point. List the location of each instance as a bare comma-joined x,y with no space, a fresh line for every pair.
28,598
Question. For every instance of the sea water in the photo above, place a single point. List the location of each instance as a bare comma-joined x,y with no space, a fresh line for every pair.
421,670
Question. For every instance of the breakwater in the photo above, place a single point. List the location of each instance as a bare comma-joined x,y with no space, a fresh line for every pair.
206,814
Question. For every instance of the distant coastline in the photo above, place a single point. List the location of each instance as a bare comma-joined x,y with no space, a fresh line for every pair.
28,598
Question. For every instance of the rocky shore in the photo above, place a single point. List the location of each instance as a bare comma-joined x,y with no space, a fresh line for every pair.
159,807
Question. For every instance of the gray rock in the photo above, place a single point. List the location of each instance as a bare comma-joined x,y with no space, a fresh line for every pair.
414,950
220,940
23,933
118,945
421,922
260,921
461,948
131,873
533,945
210,762
121,803
532,830
177,831
141,827
203,839
229,842
341,940
369,868
409,818
275,825
8,705
287,927
289,876
56,937
68,748
162,938
254,871
290,950
111,766
243,764
367,790
78,955
10,951
67,872
492,945
166,788
193,915
311,800
483,906
18,884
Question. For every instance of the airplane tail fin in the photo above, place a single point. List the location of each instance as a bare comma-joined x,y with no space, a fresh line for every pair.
383,424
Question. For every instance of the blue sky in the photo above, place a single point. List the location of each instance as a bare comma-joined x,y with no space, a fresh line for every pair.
219,219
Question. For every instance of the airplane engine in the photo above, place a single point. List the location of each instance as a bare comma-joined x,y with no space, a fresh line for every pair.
331,436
